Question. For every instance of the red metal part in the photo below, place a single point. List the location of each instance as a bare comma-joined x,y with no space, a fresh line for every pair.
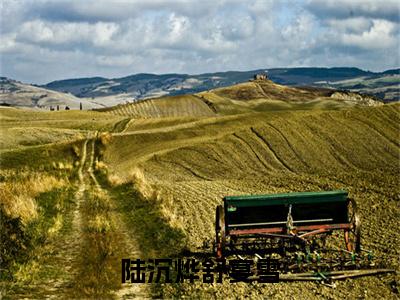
314,229
314,232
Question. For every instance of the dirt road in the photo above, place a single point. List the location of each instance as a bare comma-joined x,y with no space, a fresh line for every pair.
84,259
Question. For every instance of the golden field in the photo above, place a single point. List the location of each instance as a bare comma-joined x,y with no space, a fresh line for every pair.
143,180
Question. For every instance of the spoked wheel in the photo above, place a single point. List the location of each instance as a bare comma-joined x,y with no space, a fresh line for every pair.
220,238
352,237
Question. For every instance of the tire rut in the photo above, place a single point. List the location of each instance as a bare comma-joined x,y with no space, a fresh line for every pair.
63,250
330,143
373,128
69,245
289,144
271,150
186,168
84,272
124,241
261,161
91,163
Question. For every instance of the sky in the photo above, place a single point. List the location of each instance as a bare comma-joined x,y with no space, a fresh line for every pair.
44,40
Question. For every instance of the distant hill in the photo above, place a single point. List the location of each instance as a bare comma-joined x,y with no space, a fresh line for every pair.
97,92
18,94
247,97
384,85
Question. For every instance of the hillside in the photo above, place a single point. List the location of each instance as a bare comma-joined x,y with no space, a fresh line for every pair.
257,95
80,190
140,86
97,92
189,165
174,106
302,142
17,94
385,87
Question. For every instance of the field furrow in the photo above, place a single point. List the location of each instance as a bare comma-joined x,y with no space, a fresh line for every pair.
271,149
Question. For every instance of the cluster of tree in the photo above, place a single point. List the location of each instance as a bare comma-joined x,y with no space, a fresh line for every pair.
66,107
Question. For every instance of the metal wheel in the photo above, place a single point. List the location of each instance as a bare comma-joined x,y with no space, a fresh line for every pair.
220,238
352,237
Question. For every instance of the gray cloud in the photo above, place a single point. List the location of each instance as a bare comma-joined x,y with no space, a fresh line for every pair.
117,10
46,40
343,9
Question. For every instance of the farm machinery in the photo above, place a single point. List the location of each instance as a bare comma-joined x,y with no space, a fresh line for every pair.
313,235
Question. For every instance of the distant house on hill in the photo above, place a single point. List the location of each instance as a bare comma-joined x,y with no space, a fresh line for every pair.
260,77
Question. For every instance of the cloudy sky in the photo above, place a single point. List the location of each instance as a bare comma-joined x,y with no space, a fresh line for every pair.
43,40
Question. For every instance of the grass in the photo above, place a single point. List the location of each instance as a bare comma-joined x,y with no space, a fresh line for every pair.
22,137
33,209
241,98
99,253
35,198
22,129
156,237
193,167
142,211
173,106
161,179
18,191
24,240
316,136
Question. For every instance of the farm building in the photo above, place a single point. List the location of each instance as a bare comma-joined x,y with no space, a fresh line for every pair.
260,77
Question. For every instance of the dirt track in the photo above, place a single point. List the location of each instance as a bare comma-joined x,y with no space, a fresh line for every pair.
112,235
88,254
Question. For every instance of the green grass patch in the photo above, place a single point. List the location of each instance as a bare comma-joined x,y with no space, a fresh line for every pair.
20,244
39,157
98,264
155,236
120,126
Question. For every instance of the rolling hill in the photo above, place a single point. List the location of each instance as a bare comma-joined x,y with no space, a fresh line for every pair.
79,190
97,92
17,94
384,85
256,95
189,165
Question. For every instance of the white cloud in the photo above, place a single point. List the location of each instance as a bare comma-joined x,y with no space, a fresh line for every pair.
300,32
115,61
7,43
43,32
379,36
117,38
351,25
